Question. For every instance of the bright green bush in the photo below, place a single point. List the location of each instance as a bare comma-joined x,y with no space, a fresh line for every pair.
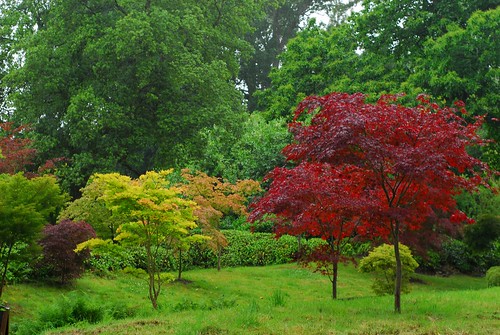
493,276
382,262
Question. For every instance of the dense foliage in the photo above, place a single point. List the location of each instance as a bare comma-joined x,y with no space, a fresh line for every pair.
381,262
26,205
59,243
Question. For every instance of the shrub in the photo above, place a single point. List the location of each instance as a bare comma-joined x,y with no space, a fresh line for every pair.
59,242
251,249
382,262
493,276
458,255
480,236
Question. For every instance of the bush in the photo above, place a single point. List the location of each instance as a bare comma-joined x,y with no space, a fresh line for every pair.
459,256
382,262
251,249
480,236
59,242
493,276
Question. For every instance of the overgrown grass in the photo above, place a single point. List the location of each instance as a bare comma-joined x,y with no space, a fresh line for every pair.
283,299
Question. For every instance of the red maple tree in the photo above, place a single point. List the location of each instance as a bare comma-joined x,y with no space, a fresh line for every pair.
311,199
15,150
412,160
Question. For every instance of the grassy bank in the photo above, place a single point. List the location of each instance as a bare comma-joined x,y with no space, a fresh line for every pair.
283,299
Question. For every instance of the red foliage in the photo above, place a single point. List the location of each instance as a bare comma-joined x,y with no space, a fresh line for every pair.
413,160
377,170
14,148
59,242
316,199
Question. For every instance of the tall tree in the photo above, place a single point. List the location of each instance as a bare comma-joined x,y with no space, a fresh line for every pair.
413,159
319,61
464,64
127,85
272,31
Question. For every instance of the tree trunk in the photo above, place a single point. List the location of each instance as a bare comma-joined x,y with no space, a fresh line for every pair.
180,265
397,286
5,265
219,250
334,279
152,270
152,291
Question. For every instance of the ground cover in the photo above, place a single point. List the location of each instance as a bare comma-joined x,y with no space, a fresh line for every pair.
281,299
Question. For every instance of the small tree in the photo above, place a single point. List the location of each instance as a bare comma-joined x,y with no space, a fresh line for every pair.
310,199
215,199
59,243
158,216
381,262
93,210
25,206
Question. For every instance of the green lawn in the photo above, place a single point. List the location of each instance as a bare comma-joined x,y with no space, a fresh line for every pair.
282,299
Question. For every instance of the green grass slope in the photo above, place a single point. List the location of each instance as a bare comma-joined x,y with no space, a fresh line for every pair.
282,299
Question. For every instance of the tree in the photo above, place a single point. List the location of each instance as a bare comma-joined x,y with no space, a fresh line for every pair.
91,208
15,150
463,64
216,199
318,200
319,61
280,22
59,243
413,159
25,206
158,217
251,154
126,86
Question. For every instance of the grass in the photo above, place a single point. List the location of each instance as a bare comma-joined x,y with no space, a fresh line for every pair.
282,299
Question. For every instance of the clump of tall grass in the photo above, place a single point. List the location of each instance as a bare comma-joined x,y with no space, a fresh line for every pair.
71,309
278,298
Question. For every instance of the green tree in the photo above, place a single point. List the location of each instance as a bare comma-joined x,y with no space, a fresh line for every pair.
249,155
463,64
127,86
91,208
25,206
319,61
157,215
280,22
